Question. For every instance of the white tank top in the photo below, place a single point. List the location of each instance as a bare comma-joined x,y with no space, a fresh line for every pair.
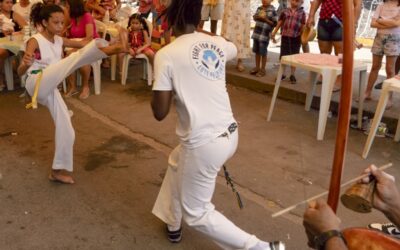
49,52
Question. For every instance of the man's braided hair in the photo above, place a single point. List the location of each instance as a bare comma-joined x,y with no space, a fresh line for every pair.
181,13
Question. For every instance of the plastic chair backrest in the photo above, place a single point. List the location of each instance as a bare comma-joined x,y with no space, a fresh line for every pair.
150,25
100,26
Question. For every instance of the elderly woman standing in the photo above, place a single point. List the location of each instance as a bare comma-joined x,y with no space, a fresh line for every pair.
236,28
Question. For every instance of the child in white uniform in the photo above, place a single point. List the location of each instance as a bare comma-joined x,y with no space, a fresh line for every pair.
192,69
46,69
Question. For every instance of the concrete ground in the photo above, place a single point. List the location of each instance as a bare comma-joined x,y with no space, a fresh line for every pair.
120,160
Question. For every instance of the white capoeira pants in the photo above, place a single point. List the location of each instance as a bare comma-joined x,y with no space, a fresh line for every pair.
188,187
50,97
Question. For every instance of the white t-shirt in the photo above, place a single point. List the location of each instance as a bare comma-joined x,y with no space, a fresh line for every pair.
50,53
23,11
193,67
306,6
387,10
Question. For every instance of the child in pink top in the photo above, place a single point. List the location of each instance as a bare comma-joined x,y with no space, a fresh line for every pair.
139,37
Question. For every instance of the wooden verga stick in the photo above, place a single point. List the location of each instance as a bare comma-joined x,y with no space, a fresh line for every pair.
284,211
344,104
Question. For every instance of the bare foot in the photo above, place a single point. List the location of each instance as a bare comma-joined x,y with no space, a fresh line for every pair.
84,94
58,176
336,88
367,96
366,99
121,47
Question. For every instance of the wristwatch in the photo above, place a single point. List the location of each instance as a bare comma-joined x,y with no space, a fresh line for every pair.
320,240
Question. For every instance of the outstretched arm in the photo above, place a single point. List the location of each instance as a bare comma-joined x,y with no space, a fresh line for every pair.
319,218
75,43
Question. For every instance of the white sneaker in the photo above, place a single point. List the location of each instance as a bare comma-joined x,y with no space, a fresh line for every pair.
388,228
277,245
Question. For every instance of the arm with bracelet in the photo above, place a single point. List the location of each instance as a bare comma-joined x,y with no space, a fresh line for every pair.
323,227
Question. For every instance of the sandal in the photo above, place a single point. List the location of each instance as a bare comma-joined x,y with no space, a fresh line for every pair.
379,85
260,73
292,79
381,131
71,93
240,67
254,71
84,94
106,64
336,88
366,99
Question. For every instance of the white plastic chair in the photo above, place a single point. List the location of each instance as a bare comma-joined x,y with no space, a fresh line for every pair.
147,68
110,30
96,67
8,71
390,85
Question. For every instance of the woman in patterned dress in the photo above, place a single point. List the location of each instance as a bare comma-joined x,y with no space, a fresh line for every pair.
236,28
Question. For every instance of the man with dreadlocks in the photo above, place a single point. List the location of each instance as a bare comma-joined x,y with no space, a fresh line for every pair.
192,70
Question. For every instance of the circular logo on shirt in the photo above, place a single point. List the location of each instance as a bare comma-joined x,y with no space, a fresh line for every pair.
208,60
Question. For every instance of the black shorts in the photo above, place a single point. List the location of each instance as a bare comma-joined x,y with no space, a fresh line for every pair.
329,30
290,45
